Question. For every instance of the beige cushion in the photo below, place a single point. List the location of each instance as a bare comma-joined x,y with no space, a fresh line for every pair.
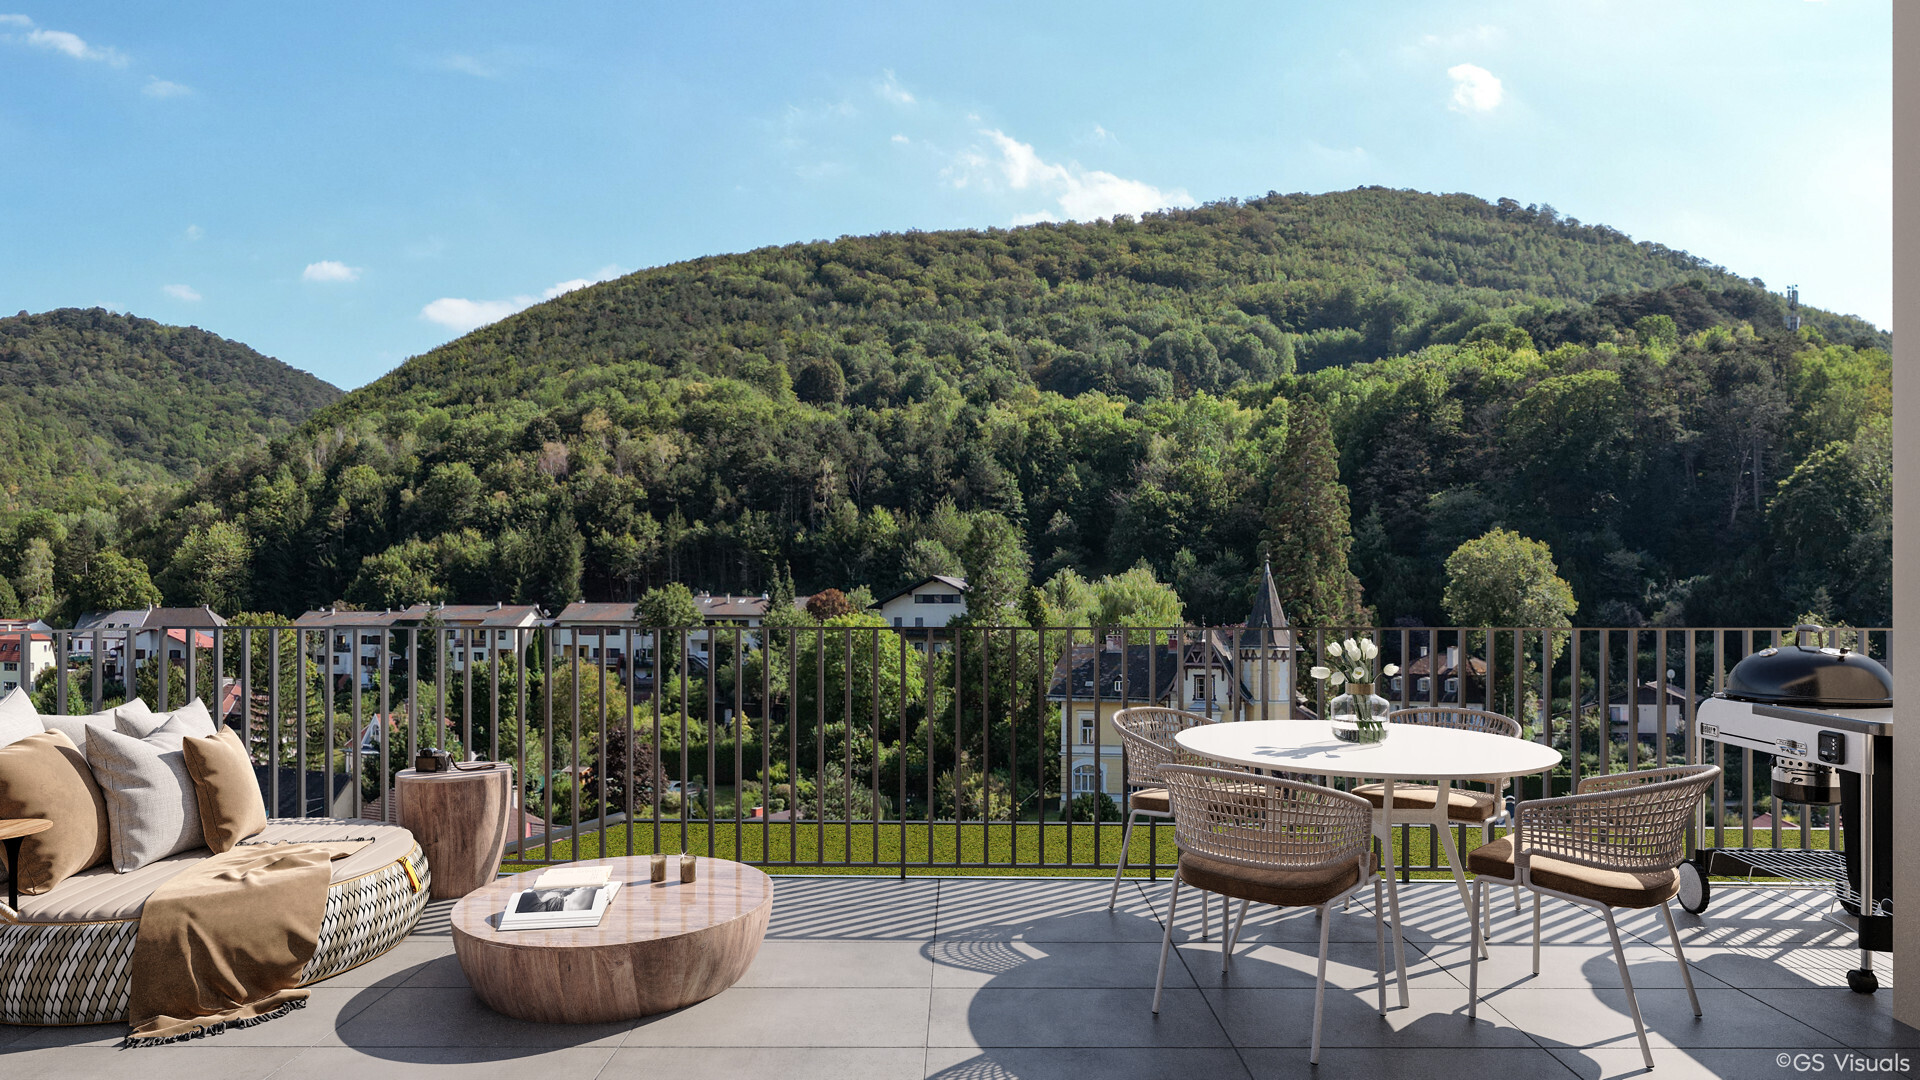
1615,888
18,717
1154,800
1268,885
100,895
44,776
75,726
226,789
152,811
1462,804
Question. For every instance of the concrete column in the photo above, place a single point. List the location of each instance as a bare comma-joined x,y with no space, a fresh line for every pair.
1906,510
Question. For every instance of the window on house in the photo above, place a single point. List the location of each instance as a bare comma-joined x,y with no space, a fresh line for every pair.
1086,778
918,621
897,620
11,666
1086,728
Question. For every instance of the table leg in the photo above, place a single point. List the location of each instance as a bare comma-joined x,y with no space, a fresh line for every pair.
1444,826
13,872
1385,820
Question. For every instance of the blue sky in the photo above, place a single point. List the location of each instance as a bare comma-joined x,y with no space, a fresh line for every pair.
346,185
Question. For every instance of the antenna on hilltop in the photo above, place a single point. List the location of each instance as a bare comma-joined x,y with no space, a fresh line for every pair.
1793,307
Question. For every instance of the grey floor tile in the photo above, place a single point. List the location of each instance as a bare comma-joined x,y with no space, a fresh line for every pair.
474,1062
441,970
1257,1017
1588,1019
90,1035
436,920
396,965
180,1062
781,1062
1569,967
810,1016
326,1007
1786,968
1856,1021
1267,923
1051,1017
1107,1063
1042,909
1351,966
417,1016
854,908
840,963
1428,1063
1717,1064
1083,964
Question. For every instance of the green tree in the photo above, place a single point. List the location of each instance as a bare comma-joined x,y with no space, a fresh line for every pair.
34,582
668,607
113,582
1504,579
211,566
996,563
1308,534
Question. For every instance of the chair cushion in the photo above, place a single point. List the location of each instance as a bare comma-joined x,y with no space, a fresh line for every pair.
1462,804
75,726
18,718
226,788
1291,888
152,811
44,776
1615,888
1154,800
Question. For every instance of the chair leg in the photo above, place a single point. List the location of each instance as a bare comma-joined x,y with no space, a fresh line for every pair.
1230,942
1473,952
1126,839
1166,941
1536,933
1626,981
1320,983
1483,911
1680,954
1380,944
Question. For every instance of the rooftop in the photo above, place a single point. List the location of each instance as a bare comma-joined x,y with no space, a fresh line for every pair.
997,977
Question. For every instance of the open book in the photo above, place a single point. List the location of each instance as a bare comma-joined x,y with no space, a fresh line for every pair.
557,908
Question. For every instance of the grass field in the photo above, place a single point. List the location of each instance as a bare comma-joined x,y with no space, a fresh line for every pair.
947,849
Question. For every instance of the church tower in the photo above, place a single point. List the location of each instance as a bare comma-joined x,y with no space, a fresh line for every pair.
1266,652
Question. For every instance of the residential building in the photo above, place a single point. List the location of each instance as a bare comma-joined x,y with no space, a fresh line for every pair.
355,639
1643,710
114,633
20,667
1415,683
931,602
481,632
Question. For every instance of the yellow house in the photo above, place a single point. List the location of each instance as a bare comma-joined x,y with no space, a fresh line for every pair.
1238,672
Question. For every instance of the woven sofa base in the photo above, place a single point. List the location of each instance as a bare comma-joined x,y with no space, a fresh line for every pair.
80,973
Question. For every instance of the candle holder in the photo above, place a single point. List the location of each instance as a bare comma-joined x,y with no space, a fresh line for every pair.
686,869
659,868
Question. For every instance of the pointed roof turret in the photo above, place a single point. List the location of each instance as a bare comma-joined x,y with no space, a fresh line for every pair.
1266,604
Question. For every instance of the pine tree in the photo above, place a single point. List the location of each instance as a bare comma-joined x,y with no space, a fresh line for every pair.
1308,535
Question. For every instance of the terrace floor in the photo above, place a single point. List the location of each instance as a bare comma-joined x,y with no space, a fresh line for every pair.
985,978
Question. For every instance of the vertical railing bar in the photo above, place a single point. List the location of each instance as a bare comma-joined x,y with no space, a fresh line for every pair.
273,723
358,766
740,728
846,778
900,758
1746,772
873,642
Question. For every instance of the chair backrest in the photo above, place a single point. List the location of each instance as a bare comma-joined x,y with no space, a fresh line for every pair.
1146,733
1461,719
1256,820
1634,821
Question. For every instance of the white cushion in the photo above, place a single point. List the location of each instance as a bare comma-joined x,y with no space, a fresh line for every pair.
75,726
18,717
152,811
135,719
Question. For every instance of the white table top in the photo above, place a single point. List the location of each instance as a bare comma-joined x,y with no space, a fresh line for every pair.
1410,751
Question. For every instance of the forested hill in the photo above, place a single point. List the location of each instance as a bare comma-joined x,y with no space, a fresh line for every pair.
92,402
1174,390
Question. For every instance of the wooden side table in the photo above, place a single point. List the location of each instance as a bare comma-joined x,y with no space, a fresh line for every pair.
658,947
461,818
12,831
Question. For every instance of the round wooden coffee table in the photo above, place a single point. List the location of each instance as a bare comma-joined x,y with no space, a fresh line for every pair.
659,947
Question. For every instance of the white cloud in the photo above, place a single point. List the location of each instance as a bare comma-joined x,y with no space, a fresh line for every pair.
889,88
195,232
1082,194
330,270
469,65
1100,134
73,45
1475,89
1034,218
181,292
161,88
15,20
461,315
901,140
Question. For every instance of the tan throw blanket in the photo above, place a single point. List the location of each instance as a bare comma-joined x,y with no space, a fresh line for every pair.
221,944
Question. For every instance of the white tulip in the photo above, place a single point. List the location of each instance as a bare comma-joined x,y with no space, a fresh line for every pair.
1390,670
1368,650
1353,648
1359,674
1333,650
1337,678
1317,671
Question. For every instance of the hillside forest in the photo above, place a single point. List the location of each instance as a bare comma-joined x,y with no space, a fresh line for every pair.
1350,385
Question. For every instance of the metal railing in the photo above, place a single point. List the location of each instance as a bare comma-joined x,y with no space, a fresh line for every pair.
960,749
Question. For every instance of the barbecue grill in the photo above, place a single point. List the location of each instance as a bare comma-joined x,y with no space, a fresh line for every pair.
1819,710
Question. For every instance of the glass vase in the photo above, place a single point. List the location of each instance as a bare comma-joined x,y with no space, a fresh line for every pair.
1360,715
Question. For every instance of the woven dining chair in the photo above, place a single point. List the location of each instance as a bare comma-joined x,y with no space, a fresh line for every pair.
1267,840
1615,843
1146,739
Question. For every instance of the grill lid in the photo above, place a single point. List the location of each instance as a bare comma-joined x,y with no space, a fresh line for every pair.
1805,673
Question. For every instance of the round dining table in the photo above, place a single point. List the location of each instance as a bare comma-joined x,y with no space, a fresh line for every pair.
1411,752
